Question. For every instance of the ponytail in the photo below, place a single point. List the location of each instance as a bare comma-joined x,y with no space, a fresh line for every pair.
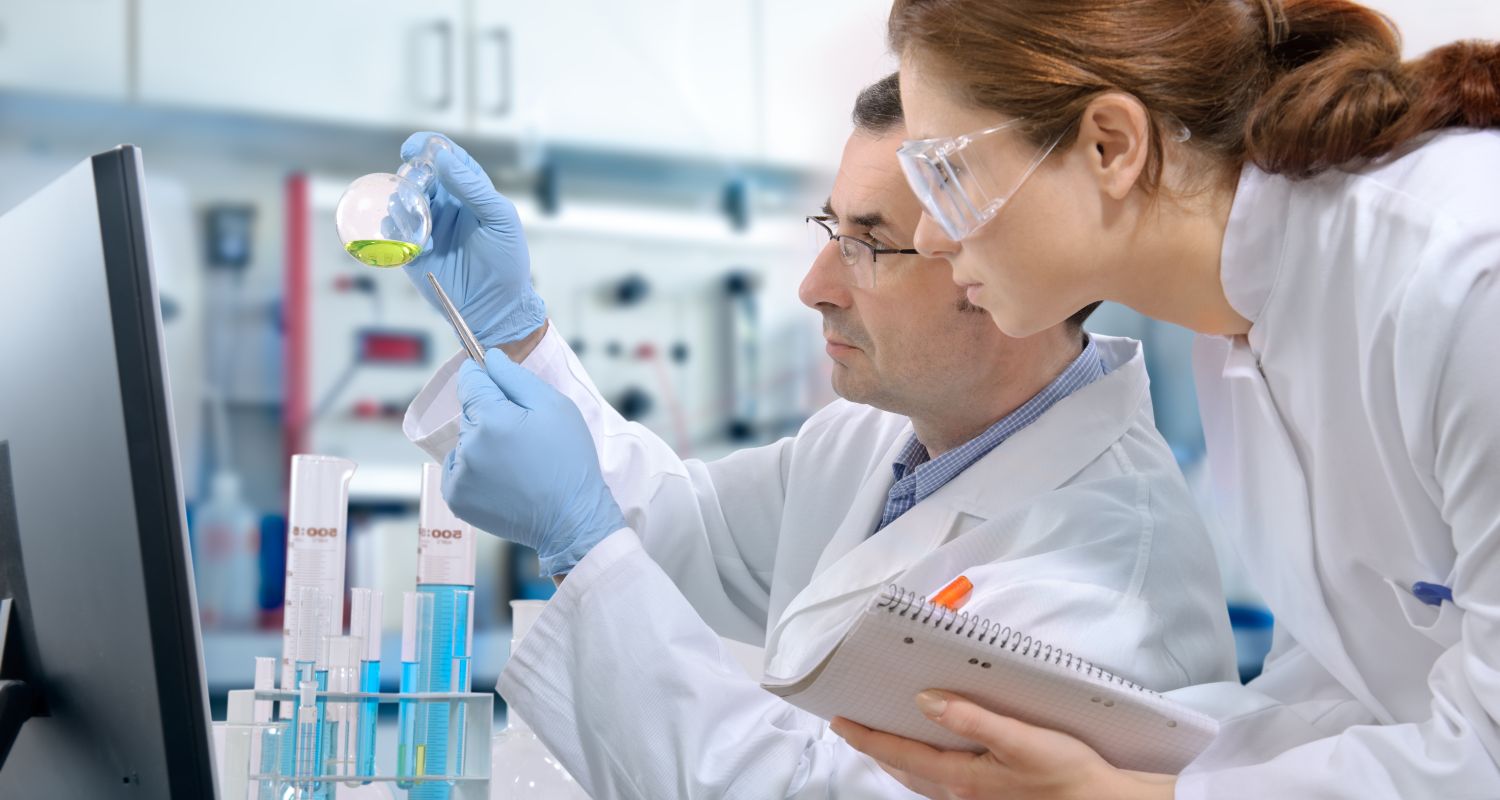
1341,94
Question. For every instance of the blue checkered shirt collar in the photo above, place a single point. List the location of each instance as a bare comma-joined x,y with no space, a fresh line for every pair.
917,476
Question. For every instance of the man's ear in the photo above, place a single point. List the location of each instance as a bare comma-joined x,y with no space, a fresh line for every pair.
1114,136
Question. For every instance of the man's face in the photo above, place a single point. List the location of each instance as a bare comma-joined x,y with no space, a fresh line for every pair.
906,344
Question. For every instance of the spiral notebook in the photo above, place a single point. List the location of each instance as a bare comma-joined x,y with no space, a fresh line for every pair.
903,644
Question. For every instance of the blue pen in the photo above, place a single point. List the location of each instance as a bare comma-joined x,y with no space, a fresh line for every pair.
1433,594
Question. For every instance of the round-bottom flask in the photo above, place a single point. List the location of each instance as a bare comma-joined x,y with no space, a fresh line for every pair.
384,219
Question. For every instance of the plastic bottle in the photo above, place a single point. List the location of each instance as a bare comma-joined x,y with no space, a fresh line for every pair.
520,766
228,563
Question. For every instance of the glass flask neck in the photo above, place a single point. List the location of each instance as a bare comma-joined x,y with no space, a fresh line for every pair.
421,169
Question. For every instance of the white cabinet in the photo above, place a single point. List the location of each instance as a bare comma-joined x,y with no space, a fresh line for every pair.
360,62
817,56
75,47
654,76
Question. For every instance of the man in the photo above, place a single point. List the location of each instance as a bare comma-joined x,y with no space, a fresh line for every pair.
1030,466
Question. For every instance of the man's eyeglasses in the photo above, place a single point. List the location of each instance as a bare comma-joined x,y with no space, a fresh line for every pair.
856,253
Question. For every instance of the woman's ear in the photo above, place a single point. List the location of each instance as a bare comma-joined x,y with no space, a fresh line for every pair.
1114,137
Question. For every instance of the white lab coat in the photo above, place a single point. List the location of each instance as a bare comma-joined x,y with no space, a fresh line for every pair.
1078,529
1354,442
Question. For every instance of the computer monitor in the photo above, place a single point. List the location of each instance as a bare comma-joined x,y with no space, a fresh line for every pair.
101,649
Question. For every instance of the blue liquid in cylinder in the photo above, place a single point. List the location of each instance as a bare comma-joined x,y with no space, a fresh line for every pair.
450,619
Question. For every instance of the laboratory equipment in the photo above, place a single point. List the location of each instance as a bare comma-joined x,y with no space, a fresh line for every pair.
237,771
445,573
227,556
309,626
740,368
475,350
364,622
308,727
315,542
230,234
384,219
520,766
416,634
341,719
264,746
97,421
233,744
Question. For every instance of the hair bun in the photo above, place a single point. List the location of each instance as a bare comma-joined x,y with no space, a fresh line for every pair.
1341,107
1458,85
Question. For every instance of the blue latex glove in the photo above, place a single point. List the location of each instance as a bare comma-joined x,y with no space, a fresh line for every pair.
477,250
525,468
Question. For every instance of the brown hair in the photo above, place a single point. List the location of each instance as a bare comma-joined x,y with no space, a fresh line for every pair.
1294,86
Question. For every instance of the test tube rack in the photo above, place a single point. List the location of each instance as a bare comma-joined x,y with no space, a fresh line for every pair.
467,769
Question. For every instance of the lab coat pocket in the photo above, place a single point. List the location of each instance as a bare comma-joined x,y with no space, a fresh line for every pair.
1441,623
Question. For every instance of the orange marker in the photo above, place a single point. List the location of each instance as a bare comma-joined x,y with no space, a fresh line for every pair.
954,594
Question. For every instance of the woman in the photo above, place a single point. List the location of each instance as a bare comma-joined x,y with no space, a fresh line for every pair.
1271,175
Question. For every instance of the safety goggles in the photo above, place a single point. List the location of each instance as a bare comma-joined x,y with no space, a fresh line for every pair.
959,197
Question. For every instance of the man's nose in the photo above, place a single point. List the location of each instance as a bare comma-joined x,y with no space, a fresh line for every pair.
827,281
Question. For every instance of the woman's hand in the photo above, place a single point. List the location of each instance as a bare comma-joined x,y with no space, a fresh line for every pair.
1021,761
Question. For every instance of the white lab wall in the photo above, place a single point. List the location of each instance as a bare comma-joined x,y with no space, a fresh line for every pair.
94,63
1427,24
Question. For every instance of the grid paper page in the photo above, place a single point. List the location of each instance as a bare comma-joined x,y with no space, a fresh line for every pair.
889,656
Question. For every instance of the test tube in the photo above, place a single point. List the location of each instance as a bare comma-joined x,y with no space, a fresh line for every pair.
340,724
416,630
325,624
263,745
306,634
463,627
307,735
364,621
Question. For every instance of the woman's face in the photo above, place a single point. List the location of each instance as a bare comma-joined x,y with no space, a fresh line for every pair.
1037,261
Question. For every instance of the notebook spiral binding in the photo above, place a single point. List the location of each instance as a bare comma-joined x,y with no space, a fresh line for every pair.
903,603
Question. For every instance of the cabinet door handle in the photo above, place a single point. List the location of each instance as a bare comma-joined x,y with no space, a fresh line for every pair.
504,74
442,33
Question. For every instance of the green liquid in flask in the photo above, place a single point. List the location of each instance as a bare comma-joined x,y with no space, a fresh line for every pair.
382,252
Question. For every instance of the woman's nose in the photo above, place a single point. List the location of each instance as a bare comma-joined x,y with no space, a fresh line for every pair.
931,241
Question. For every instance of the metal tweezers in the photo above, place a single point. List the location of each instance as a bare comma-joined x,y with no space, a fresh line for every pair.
465,335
